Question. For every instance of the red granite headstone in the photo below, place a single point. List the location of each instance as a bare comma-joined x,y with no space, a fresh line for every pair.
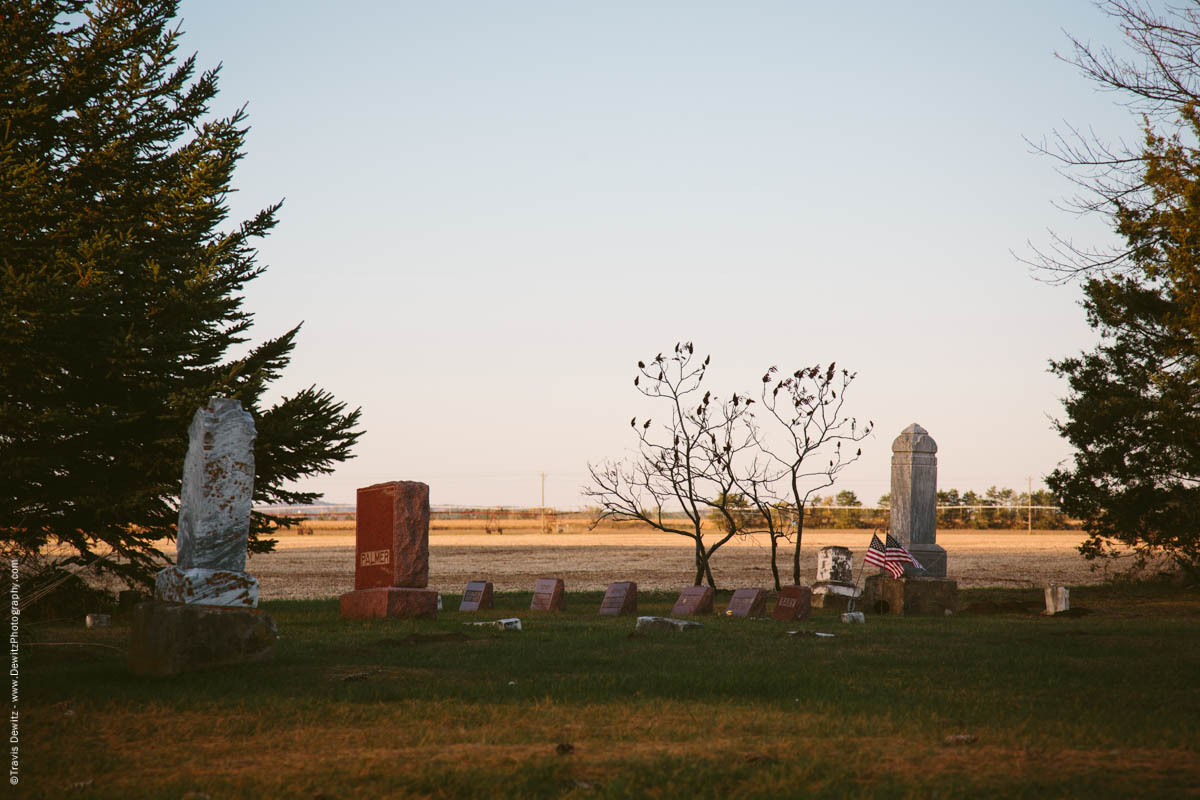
621,598
747,603
693,600
391,553
795,602
391,536
477,597
548,595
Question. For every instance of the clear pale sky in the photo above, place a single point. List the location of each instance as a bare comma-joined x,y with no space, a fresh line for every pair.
493,210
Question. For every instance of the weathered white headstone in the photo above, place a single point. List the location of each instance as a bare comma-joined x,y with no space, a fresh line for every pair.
214,511
1058,598
914,500
218,488
834,586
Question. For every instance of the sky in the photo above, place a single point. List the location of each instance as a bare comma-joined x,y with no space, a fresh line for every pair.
493,210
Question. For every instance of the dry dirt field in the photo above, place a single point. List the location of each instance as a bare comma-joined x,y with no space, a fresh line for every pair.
321,564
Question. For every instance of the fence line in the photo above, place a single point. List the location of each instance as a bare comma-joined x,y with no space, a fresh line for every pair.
815,516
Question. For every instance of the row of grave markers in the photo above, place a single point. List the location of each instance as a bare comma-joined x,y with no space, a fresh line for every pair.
794,602
391,575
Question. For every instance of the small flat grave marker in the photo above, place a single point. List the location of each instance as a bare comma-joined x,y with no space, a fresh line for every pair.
621,598
795,602
548,595
693,600
747,603
477,597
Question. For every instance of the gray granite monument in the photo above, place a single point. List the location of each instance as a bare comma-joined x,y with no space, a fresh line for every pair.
924,591
914,501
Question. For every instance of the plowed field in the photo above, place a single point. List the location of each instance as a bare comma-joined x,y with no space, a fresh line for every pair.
322,564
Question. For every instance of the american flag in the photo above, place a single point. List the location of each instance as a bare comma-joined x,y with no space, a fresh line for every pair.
897,556
877,556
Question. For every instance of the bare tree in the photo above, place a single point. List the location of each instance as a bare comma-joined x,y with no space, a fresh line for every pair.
712,458
1160,80
774,517
683,465
803,446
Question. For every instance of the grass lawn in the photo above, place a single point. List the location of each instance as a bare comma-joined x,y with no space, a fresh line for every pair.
1102,704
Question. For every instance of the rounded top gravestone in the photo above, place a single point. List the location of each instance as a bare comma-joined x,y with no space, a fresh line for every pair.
914,500
914,439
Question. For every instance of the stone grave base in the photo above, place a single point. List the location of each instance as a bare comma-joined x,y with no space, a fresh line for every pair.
932,558
171,638
883,594
390,601
835,602
833,595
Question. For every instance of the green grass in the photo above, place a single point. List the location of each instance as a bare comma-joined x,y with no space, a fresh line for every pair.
1103,704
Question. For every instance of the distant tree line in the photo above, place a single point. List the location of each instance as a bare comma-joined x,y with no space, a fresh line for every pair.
993,509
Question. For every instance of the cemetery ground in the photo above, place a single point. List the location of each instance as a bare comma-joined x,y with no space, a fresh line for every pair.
997,700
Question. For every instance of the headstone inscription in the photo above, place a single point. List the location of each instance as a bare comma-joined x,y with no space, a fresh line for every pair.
477,596
391,553
619,599
692,601
548,595
747,603
795,602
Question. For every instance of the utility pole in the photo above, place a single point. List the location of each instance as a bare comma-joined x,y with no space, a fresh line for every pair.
1030,509
543,506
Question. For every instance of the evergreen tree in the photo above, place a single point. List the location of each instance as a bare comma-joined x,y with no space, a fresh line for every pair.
120,287
1133,414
